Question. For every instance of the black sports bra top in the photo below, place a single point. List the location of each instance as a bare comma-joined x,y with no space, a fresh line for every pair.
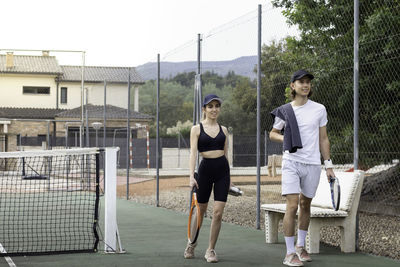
207,143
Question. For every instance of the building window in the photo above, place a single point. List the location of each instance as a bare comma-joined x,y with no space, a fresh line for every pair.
64,91
36,90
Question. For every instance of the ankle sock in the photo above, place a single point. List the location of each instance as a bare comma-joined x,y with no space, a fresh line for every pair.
301,237
289,240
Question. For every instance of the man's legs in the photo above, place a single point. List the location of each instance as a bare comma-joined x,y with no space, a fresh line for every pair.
304,217
303,223
309,183
292,202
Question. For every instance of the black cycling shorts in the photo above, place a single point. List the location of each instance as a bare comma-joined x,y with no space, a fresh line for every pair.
213,172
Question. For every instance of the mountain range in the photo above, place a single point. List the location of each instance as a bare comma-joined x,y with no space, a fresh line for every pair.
243,66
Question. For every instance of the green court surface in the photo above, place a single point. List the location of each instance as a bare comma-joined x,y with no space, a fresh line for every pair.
157,237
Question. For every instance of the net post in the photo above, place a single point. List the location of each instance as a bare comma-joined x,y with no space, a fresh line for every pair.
96,213
111,236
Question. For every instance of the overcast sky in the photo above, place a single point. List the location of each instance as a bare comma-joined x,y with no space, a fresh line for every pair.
133,32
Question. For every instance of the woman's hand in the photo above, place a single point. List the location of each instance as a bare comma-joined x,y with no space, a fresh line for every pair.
193,182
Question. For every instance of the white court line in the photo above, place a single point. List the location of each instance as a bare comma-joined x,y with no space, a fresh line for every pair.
8,259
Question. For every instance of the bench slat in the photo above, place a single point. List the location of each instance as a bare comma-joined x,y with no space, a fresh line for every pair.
315,211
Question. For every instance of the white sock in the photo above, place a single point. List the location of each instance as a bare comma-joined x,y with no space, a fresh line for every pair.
301,237
289,245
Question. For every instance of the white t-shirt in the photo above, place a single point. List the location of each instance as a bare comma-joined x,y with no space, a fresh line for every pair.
310,117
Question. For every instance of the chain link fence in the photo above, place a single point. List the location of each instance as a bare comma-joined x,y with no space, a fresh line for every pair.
317,36
325,47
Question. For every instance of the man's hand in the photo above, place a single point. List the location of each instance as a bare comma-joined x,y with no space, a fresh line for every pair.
330,173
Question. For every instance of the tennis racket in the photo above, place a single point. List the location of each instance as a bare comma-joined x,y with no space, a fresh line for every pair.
235,191
194,215
335,192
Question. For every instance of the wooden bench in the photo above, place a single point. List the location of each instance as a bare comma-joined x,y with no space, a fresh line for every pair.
274,161
322,213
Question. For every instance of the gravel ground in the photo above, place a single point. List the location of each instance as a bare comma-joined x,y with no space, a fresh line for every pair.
379,234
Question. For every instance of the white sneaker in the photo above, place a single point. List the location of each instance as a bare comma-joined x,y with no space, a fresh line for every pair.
292,260
189,250
302,254
211,256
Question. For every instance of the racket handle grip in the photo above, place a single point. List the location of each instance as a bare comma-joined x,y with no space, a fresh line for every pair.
235,191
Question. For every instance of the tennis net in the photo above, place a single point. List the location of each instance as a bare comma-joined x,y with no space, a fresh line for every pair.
49,201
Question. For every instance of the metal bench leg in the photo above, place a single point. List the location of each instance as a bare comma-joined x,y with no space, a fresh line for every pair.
271,226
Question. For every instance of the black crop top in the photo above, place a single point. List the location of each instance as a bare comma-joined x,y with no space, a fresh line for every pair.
207,143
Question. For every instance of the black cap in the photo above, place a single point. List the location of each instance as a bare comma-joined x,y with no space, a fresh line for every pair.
300,74
209,98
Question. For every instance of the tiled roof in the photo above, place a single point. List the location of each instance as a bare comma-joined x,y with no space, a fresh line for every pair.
29,113
49,65
95,111
31,64
99,74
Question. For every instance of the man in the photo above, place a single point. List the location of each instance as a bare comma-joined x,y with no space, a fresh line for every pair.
304,140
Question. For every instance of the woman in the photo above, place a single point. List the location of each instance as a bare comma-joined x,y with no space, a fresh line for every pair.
210,139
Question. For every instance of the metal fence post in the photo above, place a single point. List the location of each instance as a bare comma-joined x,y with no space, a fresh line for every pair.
258,115
128,133
158,134
356,96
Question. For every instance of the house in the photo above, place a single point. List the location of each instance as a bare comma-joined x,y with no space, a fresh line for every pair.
40,98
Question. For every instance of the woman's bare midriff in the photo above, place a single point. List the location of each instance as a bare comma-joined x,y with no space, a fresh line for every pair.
213,154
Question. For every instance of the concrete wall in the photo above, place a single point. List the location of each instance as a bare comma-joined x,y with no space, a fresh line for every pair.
175,158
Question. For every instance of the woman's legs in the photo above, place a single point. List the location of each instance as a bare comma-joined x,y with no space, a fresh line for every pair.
189,250
203,209
216,223
221,188
216,220
216,175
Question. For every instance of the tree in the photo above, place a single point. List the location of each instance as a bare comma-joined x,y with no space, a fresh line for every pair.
325,47
185,79
176,100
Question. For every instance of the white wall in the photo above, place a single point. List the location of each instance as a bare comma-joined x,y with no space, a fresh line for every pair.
73,95
117,94
12,93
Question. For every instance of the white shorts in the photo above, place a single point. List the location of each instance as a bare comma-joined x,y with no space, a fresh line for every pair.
299,178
